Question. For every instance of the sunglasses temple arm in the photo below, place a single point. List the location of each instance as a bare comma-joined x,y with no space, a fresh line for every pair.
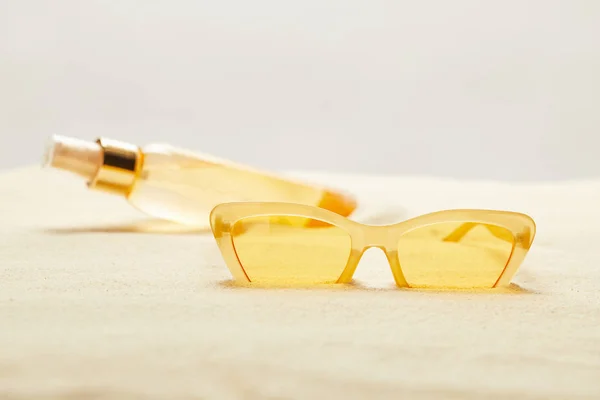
460,232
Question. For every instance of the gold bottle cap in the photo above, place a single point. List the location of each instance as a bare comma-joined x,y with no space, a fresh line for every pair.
108,165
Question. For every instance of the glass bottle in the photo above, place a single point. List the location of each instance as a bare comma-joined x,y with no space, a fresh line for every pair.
178,185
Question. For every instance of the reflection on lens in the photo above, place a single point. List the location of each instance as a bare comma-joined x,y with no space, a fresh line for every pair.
290,250
455,255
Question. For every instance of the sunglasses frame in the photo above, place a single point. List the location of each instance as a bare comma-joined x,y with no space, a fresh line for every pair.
224,216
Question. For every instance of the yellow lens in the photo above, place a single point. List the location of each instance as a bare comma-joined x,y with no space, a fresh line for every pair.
455,255
290,250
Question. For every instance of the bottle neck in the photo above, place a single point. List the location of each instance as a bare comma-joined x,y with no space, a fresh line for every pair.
108,165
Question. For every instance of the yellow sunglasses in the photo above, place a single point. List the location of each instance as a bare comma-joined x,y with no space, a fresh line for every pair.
285,243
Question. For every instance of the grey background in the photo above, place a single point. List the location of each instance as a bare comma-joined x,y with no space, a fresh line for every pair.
476,89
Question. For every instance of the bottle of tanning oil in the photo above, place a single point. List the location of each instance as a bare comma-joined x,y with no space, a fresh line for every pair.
179,185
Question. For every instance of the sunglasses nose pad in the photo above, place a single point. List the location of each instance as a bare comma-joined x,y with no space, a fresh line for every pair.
348,273
394,262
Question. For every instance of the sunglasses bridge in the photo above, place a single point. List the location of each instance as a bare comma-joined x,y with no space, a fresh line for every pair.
374,236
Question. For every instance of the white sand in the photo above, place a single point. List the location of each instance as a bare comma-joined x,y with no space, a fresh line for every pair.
90,308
